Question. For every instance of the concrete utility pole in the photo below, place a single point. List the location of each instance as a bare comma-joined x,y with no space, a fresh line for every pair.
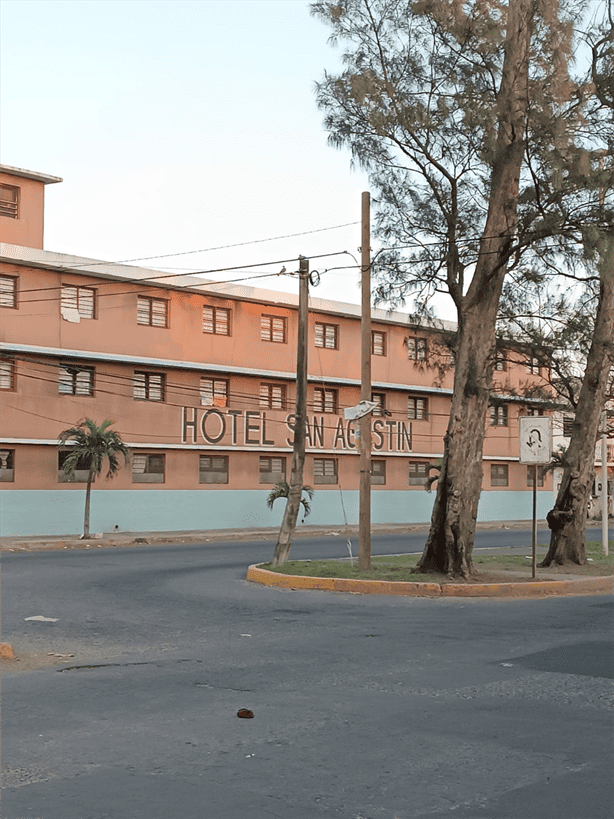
364,515
288,524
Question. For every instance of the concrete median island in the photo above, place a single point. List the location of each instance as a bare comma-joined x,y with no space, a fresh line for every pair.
497,576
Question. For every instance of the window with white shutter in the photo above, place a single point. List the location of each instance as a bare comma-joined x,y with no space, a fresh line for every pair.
213,392
153,312
148,386
8,291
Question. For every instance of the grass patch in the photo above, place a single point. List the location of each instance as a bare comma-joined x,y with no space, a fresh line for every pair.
399,567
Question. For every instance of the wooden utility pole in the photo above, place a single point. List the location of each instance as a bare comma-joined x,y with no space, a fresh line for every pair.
288,524
364,514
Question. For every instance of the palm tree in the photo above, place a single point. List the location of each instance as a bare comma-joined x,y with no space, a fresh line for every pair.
282,490
90,444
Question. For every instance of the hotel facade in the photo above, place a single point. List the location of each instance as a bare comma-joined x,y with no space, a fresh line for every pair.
199,379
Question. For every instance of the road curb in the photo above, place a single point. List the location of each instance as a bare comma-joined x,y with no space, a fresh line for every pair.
539,588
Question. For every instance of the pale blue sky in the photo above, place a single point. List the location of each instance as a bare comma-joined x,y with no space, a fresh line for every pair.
178,126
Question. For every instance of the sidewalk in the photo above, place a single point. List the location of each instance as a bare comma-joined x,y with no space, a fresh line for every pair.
120,539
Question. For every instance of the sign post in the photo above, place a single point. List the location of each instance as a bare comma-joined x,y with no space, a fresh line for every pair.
535,440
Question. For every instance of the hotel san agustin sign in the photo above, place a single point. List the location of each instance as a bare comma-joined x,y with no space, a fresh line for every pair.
241,429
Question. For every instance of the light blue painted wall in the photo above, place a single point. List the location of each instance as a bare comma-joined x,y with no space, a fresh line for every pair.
57,512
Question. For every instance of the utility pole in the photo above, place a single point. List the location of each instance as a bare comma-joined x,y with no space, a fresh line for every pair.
288,524
604,482
364,514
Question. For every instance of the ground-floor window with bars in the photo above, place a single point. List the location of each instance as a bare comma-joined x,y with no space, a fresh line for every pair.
213,469
272,470
541,474
418,473
378,473
499,475
325,470
7,465
80,473
148,467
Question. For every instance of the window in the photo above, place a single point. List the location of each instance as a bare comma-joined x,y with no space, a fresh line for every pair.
324,400
7,465
213,392
498,475
500,362
7,374
9,201
78,302
216,320
213,468
417,408
8,291
378,343
148,386
417,349
327,335
379,398
75,380
534,411
533,365
273,396
378,473
273,328
152,311
418,473
148,467
541,474
272,470
567,425
80,473
324,470
498,415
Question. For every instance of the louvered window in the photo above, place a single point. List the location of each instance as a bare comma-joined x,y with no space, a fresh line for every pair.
273,328
378,343
417,349
75,380
213,392
80,473
213,469
7,374
153,312
9,201
417,408
498,415
8,291
379,398
273,396
327,335
324,400
324,470
216,320
148,386
148,467
80,300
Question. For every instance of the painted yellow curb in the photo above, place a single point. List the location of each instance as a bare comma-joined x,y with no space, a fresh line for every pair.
543,588
6,651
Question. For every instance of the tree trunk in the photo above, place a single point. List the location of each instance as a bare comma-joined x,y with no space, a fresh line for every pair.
450,541
88,491
288,524
567,539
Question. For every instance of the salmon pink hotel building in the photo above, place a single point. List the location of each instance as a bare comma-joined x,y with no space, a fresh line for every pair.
200,381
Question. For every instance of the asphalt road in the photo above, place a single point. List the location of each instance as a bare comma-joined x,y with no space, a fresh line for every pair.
365,707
